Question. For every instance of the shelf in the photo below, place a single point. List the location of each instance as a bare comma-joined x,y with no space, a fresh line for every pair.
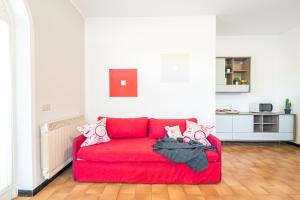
232,88
270,119
258,119
240,67
266,123
258,128
270,128
240,71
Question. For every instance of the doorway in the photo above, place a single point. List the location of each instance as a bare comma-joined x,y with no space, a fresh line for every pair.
6,112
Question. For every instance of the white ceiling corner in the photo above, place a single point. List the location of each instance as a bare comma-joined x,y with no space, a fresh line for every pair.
234,17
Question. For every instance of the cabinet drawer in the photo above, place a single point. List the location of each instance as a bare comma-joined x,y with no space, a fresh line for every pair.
254,136
224,123
242,123
278,136
224,136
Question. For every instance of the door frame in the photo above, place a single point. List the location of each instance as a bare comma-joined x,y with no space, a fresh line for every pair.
11,191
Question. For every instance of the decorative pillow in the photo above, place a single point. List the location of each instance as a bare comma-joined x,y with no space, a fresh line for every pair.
197,132
197,126
94,133
173,132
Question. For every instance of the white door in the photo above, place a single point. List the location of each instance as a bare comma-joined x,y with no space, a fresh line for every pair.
6,118
220,71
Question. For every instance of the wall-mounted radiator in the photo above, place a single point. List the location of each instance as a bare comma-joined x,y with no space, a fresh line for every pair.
56,144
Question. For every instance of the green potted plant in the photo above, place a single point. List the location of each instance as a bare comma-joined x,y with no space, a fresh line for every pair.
228,69
288,105
237,80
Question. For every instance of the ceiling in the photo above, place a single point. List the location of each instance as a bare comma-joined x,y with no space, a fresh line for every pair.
234,17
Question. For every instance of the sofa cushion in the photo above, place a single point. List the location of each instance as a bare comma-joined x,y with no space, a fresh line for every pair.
128,150
156,127
126,127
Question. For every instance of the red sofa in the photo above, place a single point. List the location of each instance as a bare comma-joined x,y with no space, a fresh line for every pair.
129,157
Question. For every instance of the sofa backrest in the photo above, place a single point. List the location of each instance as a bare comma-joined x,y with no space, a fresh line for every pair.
126,127
141,127
156,127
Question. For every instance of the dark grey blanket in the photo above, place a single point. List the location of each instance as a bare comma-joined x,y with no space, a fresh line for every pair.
193,153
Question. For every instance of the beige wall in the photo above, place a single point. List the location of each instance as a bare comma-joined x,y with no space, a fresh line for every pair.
58,31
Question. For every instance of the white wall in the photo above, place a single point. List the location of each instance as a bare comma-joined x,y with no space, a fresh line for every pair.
265,70
58,31
24,97
274,70
138,43
290,73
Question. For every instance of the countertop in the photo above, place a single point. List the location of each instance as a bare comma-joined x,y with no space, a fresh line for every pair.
257,113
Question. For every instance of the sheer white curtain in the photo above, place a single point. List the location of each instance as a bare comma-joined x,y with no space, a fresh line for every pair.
5,107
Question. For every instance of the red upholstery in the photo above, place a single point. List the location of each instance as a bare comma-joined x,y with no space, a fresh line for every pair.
127,150
157,126
75,148
214,141
126,127
133,161
142,172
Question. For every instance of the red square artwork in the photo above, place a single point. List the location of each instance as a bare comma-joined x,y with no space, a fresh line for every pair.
123,82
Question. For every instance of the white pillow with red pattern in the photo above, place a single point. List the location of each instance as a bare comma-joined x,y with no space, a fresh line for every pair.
173,132
94,133
197,132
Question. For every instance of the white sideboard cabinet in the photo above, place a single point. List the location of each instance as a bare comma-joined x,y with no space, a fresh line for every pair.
255,127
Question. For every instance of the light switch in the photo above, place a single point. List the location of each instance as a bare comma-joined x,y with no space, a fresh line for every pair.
123,82
46,107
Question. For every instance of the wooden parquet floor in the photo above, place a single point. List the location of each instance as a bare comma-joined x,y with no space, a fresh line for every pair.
250,171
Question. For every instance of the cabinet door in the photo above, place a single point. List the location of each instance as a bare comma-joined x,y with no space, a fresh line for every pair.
224,123
242,123
286,123
220,71
224,136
